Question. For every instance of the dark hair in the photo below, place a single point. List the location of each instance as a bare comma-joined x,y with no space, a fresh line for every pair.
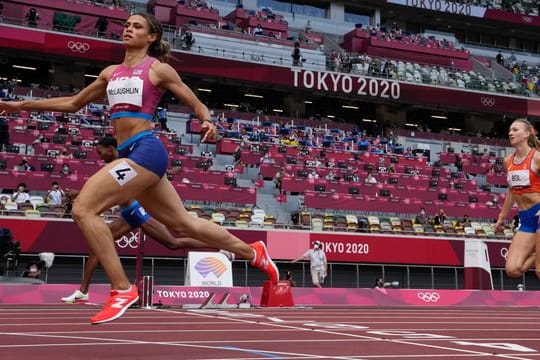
160,48
108,141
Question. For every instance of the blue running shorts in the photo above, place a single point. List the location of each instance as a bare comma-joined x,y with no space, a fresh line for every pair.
147,151
528,220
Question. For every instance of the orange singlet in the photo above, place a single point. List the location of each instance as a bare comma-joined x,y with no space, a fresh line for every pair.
521,179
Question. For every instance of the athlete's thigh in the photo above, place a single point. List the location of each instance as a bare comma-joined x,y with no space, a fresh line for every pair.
162,202
522,246
114,184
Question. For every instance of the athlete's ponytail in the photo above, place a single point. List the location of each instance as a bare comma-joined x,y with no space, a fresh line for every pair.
532,141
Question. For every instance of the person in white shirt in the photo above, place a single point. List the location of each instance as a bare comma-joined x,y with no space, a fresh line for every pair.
55,194
21,195
370,179
318,264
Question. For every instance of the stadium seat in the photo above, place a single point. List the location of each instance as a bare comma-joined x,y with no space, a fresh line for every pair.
317,224
31,213
25,206
374,223
217,218
257,220
243,224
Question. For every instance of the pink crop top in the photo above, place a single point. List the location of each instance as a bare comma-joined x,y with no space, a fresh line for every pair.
131,93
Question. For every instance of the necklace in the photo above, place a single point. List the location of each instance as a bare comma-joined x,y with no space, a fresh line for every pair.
132,59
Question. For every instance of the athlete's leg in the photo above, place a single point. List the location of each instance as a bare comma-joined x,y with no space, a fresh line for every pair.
106,188
164,204
161,234
89,268
537,256
119,228
519,259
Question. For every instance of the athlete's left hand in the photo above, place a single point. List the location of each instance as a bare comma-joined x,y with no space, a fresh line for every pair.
208,130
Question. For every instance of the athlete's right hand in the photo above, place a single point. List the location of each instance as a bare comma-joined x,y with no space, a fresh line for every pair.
499,225
7,107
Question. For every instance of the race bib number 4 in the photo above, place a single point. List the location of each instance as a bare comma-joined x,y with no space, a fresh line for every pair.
122,172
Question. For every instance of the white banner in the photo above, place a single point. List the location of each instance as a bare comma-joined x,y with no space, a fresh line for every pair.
447,6
208,269
477,256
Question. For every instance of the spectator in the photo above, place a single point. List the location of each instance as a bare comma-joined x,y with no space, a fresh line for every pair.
289,277
258,31
379,283
4,199
238,151
33,270
66,170
500,58
370,179
331,175
65,154
466,221
313,174
32,17
355,177
296,56
4,134
279,177
266,159
318,263
422,217
24,165
101,26
440,218
55,195
21,195
187,40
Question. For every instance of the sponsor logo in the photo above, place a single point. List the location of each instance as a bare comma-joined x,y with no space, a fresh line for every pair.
488,101
504,252
210,265
130,240
78,47
429,297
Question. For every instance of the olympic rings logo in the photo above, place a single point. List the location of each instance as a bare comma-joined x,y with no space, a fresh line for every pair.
504,252
487,101
429,297
77,46
130,240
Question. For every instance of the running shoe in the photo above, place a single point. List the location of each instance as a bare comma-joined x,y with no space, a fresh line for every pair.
77,296
263,261
116,305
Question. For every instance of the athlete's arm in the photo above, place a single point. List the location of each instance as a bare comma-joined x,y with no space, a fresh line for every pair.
535,166
73,103
165,77
505,209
